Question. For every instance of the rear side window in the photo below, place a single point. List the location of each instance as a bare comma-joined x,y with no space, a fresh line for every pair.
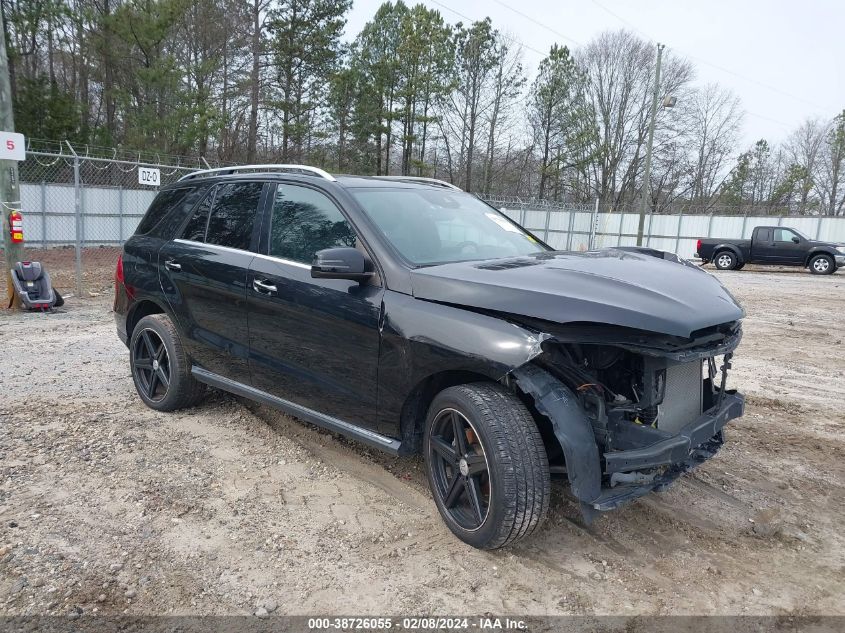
195,229
233,214
168,203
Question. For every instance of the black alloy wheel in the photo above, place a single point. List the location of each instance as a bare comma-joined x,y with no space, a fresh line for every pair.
459,469
486,464
151,365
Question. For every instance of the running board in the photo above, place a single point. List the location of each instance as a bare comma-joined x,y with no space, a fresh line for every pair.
303,413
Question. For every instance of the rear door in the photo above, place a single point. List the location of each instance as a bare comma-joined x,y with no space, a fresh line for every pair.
761,244
162,220
203,274
314,342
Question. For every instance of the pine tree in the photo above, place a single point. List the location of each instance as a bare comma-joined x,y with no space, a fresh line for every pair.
306,49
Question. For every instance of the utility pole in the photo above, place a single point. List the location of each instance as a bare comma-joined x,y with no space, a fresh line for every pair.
649,142
10,193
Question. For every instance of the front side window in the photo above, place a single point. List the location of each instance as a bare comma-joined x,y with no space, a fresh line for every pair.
233,214
784,235
306,221
432,226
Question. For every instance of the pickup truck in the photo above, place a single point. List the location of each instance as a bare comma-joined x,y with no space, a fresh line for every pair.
775,245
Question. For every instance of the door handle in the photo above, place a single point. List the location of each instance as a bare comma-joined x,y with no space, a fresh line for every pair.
170,264
263,286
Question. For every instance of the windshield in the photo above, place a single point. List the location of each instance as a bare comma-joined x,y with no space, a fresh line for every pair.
429,226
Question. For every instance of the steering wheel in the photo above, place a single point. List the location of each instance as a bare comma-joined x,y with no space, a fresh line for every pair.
467,244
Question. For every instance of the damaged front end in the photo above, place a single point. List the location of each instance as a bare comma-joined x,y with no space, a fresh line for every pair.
631,410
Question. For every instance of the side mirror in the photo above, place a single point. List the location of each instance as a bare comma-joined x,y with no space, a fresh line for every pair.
340,263
796,240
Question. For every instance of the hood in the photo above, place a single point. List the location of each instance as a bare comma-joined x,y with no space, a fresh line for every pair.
816,243
610,286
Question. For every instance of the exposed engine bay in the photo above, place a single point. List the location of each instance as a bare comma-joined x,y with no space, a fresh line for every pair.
655,404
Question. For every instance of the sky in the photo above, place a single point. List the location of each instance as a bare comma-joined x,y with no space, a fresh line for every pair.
785,59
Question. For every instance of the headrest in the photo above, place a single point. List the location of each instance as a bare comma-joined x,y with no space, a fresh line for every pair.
28,271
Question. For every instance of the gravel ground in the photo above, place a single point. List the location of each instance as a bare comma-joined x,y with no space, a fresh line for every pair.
229,508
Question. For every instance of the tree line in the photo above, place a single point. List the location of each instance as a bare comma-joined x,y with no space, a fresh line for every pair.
275,81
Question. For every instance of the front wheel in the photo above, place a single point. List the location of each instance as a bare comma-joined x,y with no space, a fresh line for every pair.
725,260
486,464
822,265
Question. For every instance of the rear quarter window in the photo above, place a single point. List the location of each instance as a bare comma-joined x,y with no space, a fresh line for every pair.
168,210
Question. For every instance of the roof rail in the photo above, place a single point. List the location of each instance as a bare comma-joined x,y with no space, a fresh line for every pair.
430,181
202,173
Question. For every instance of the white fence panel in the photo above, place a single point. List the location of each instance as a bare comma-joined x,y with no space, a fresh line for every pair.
535,220
559,221
570,228
807,226
695,225
728,226
832,230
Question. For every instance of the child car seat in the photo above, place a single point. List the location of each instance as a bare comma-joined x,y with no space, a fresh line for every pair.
33,287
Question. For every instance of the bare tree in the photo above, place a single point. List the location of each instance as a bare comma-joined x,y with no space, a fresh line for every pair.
803,148
620,70
713,122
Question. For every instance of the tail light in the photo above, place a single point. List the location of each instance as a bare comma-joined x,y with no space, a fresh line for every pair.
118,273
698,247
120,281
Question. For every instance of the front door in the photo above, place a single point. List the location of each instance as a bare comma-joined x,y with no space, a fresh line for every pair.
785,247
204,275
314,342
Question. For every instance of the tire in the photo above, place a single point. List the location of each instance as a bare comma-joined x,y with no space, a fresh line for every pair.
822,265
739,266
724,260
161,370
60,300
501,463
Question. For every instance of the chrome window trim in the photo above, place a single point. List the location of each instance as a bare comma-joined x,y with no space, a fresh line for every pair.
280,260
180,240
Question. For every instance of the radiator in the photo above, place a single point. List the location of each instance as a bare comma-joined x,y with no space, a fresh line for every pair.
682,402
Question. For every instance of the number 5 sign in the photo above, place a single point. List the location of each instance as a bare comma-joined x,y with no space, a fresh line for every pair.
12,146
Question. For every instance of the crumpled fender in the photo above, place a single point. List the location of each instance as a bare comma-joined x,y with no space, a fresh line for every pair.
571,427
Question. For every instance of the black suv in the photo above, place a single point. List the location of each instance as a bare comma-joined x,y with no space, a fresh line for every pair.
412,316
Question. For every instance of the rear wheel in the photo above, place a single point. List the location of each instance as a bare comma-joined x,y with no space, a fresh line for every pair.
822,265
160,368
725,260
487,466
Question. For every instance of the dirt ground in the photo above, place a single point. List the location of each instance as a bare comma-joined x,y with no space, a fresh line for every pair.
109,507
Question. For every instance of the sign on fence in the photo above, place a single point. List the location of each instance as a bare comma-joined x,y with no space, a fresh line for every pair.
149,176
12,146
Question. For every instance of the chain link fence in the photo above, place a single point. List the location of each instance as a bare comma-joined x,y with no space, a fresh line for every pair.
80,205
